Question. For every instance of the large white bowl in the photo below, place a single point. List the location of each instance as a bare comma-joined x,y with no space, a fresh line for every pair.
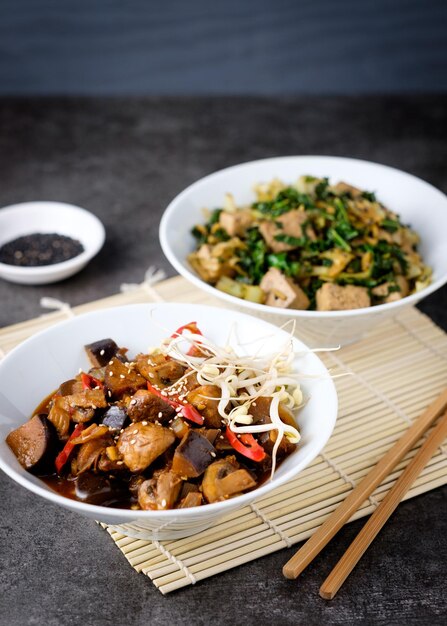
36,367
27,218
418,203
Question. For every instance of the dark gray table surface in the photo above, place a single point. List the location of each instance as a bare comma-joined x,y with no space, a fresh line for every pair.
125,159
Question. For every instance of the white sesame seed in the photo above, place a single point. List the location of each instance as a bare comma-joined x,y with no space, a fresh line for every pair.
213,454
163,393
119,462
122,430
109,393
102,352
132,441
144,423
133,401
179,409
110,373
160,414
122,376
110,362
94,406
163,503
151,375
135,432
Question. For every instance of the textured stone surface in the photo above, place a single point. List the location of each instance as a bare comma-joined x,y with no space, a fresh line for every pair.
125,160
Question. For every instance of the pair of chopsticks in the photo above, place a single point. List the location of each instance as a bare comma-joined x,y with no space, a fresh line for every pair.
294,567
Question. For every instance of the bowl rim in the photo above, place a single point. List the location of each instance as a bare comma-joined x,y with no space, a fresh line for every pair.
184,270
42,270
129,514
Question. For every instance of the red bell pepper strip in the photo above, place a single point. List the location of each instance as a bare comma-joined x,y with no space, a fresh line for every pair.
90,382
64,454
193,328
246,445
187,410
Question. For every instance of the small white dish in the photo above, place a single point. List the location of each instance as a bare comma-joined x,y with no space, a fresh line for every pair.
42,362
49,217
418,204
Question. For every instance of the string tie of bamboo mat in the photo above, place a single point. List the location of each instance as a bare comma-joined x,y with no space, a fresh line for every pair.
272,525
57,305
381,396
345,476
434,349
178,562
152,276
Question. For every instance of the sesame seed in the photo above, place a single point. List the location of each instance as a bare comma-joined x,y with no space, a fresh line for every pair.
110,373
94,406
133,401
213,454
163,503
132,441
178,409
129,371
122,376
135,432
151,375
163,393
119,462
97,387
160,414
144,423
110,362
102,352
109,393
122,430
157,422
221,436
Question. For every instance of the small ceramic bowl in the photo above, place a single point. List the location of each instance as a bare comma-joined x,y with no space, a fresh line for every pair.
418,203
50,217
40,364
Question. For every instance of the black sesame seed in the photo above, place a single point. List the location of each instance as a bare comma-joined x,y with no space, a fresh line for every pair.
39,249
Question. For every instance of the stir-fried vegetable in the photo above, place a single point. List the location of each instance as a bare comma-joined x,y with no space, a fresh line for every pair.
313,233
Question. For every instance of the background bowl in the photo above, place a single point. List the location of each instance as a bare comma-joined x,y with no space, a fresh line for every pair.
42,362
418,203
50,217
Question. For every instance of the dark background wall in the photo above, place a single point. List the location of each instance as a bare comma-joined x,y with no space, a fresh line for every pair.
228,47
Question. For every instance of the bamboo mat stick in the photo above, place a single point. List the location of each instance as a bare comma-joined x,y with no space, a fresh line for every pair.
328,530
378,519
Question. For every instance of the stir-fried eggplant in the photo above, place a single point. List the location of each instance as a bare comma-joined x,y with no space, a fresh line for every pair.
146,434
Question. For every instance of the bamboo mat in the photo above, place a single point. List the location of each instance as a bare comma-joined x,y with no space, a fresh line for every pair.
395,373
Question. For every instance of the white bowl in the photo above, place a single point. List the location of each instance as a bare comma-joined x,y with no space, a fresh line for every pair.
43,361
50,217
418,203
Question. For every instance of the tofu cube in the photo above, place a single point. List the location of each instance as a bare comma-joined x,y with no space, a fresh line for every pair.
291,224
235,223
332,297
282,292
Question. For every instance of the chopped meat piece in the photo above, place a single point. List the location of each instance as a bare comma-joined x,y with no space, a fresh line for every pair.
144,405
88,399
34,443
291,225
202,399
235,223
158,370
193,498
193,455
160,492
332,297
120,379
282,292
140,445
224,478
100,352
59,415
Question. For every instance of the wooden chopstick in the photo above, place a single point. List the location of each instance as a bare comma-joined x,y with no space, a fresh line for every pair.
377,520
314,545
